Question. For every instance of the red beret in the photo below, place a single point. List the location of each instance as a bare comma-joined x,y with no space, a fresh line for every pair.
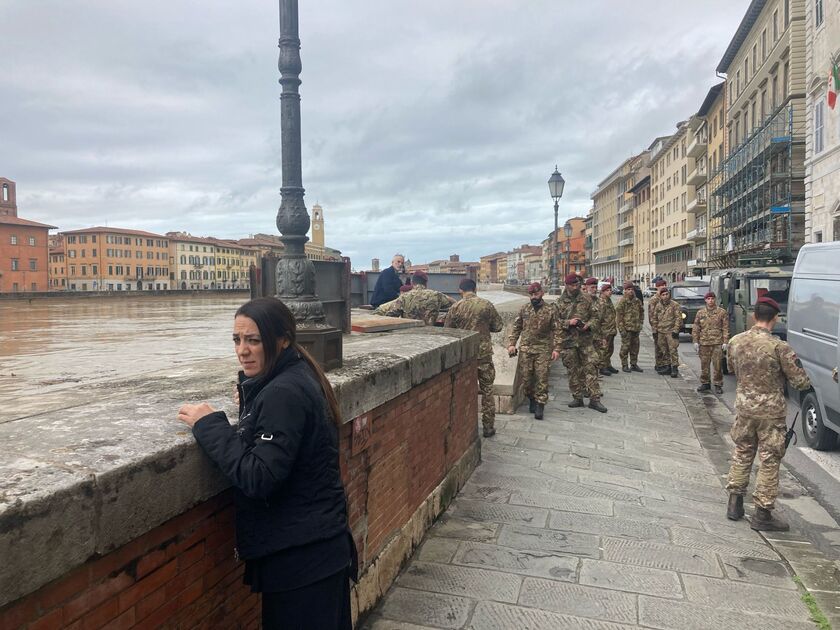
534,287
606,287
660,283
769,302
590,281
664,289
405,288
421,275
572,278
709,294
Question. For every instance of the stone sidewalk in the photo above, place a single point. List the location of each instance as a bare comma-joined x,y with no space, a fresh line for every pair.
588,521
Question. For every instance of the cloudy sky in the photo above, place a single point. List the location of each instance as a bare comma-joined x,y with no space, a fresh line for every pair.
428,127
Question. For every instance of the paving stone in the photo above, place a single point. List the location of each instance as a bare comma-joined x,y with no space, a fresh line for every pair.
389,624
534,539
739,529
515,471
516,451
666,614
626,461
758,571
582,601
564,503
494,494
507,482
675,503
595,476
450,527
661,556
437,549
591,490
681,470
534,563
664,518
493,616
463,581
721,544
544,445
706,494
619,472
418,607
481,512
613,526
622,577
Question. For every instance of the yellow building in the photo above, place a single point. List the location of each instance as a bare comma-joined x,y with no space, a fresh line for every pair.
116,259
193,262
609,203
643,265
233,261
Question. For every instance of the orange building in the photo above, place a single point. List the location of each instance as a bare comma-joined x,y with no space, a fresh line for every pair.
58,270
116,259
24,258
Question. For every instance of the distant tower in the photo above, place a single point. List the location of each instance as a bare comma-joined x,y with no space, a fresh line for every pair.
8,205
374,264
317,225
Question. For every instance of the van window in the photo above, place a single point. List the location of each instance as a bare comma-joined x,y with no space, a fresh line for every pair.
775,288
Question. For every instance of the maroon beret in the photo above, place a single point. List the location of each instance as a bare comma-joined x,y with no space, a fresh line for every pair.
534,287
628,285
405,288
589,281
421,275
710,294
769,302
660,283
606,287
572,278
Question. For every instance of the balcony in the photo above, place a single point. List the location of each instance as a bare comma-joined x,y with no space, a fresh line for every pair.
697,177
697,234
698,145
697,205
696,262
627,206
625,241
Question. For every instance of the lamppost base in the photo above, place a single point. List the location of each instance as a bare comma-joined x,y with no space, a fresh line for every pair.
324,343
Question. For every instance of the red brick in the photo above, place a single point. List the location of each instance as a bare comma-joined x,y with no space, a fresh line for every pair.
50,621
95,595
18,614
190,556
123,622
100,616
58,592
150,603
153,559
160,616
148,585
191,593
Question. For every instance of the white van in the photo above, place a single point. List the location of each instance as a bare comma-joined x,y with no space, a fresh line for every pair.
814,331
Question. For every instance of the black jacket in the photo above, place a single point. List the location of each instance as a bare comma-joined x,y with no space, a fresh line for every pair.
282,460
387,287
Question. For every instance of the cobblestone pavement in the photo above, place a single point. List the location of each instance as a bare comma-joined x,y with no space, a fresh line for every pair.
586,521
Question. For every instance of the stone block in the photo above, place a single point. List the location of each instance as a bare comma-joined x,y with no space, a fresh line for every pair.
614,526
418,607
721,544
661,517
581,601
758,571
740,596
633,579
666,614
495,616
437,549
593,490
563,503
450,527
661,556
496,513
562,543
463,581
616,459
542,564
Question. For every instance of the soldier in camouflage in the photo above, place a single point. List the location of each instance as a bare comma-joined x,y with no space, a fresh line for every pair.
536,323
667,321
761,364
661,362
578,323
629,317
607,328
419,303
475,313
599,341
710,335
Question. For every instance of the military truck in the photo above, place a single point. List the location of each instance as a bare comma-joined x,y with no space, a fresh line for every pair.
738,289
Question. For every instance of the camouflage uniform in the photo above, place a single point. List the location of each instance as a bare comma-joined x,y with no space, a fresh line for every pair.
578,353
538,328
761,363
660,358
711,331
475,313
629,317
606,330
419,303
667,321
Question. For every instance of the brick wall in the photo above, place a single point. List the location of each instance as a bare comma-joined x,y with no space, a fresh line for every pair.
183,573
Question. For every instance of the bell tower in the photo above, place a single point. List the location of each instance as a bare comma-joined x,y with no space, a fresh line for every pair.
8,204
317,225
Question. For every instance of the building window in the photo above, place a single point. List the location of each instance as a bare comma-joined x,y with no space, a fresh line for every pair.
5,192
84,270
15,264
94,253
755,58
819,14
32,241
818,237
95,270
818,126
738,83
764,44
775,26
746,71
33,264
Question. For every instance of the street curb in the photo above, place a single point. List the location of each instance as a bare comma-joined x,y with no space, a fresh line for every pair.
819,575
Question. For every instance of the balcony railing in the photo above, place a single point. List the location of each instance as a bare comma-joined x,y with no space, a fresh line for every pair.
697,177
698,145
697,234
697,205
627,206
625,241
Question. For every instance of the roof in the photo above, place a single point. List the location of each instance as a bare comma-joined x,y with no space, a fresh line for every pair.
744,29
710,99
57,250
10,220
682,126
114,230
641,184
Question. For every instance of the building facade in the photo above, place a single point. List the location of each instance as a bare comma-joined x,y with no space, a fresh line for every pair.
639,169
192,262
608,202
822,145
643,265
24,247
57,269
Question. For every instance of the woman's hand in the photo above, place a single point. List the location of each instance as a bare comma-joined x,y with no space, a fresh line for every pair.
190,414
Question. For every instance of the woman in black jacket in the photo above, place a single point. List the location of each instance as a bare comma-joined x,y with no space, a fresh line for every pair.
282,460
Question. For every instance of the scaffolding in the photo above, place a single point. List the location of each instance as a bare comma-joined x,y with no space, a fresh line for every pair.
757,211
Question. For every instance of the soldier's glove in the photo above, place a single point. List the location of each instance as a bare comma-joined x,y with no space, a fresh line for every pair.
513,352
696,347
676,335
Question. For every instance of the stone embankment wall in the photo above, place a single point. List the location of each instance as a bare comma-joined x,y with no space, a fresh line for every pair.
125,532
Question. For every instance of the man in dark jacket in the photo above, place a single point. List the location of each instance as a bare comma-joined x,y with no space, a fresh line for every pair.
388,284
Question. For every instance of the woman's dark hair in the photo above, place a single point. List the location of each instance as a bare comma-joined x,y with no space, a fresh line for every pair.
276,322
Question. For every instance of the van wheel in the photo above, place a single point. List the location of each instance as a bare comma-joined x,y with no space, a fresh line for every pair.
813,430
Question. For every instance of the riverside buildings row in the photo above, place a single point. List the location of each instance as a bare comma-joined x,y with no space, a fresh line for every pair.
120,259
751,175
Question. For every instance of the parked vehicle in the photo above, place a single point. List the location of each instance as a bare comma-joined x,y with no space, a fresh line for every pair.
813,329
649,291
689,295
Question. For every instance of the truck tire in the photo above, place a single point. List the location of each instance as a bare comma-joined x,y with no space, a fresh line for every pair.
816,434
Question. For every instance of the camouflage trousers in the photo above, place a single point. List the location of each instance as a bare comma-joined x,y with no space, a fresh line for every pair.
606,351
582,366
534,366
767,437
661,359
486,377
629,346
669,347
711,357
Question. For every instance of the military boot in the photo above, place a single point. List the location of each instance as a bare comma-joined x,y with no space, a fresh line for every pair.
764,521
635,368
718,389
489,432
595,404
735,508
612,369
538,412
662,369
532,405
576,402
675,373
605,372
705,387
625,368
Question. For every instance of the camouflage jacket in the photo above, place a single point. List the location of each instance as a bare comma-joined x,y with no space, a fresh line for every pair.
654,300
580,306
419,303
761,363
711,326
629,314
667,318
475,313
538,328
607,317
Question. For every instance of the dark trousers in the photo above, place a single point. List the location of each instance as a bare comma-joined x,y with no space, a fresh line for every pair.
324,605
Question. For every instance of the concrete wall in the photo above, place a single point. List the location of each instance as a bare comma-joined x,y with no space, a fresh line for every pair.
110,515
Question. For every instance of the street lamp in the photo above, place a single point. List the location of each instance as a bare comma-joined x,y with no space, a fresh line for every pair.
567,230
555,187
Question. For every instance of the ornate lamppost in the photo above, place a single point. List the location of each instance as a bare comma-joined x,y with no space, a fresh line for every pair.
555,187
295,272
